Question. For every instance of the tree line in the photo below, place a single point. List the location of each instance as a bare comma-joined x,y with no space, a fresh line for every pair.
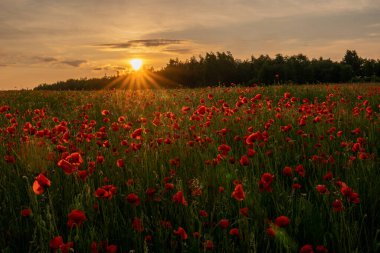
221,68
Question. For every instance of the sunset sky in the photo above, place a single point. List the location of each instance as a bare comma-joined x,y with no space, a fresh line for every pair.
43,41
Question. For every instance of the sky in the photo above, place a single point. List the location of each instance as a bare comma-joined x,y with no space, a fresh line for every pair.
44,41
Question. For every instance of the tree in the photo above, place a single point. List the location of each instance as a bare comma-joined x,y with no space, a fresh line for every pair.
351,58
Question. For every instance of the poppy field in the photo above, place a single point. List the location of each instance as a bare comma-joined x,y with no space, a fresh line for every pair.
222,169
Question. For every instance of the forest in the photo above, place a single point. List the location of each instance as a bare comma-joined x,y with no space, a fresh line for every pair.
223,69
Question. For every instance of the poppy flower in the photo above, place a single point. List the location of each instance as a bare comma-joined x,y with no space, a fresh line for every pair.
203,213
307,249
181,232
105,192
179,198
76,218
238,192
271,232
57,244
244,161
120,163
234,232
137,225
137,134
40,184
244,211
251,139
337,205
266,181
321,249
26,212
111,248
282,221
322,189
133,199
208,245
224,223
300,170
287,171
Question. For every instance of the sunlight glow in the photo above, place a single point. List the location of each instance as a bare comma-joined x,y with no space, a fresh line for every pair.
136,64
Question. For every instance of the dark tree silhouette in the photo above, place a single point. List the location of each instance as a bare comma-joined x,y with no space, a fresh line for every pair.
221,68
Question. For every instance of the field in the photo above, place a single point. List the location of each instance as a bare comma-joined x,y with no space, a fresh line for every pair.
225,169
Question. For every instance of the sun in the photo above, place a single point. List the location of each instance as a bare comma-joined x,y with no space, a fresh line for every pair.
136,63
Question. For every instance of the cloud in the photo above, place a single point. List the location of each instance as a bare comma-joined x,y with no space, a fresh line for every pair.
73,63
178,50
45,59
142,43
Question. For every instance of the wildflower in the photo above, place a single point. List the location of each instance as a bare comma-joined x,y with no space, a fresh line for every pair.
209,245
181,232
337,205
76,218
133,199
40,183
234,231
57,244
137,225
26,212
238,192
282,221
322,189
244,211
224,223
266,181
307,249
179,198
244,161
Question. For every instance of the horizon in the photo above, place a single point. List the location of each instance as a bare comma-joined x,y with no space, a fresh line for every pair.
45,41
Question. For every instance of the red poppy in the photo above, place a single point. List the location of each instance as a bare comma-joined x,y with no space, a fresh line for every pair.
137,225
209,245
244,211
26,212
337,205
137,134
322,189
244,161
224,223
271,231
300,170
282,221
238,192
133,199
234,232
40,184
181,232
307,249
287,171
105,192
179,198
120,163
203,213
76,218
253,138
321,249
111,248
266,181
57,244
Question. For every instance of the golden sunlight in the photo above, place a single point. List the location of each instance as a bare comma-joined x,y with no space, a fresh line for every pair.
136,64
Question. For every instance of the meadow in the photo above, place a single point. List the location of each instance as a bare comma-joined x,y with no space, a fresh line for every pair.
223,169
